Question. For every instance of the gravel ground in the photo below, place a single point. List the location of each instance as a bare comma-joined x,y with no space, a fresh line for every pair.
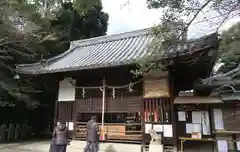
76,146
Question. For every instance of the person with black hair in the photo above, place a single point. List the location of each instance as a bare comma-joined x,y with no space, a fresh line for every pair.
60,137
92,135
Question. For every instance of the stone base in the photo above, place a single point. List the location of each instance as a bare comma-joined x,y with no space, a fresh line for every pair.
155,148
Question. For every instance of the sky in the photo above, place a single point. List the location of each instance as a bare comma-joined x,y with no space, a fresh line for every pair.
135,15
130,17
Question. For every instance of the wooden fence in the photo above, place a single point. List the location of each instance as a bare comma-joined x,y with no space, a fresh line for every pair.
13,132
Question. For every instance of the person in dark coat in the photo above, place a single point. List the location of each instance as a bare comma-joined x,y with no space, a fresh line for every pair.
92,135
53,145
60,137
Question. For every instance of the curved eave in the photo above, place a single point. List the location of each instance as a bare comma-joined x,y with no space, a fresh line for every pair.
111,51
21,70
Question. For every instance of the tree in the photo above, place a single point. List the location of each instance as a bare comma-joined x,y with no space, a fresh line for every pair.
179,15
50,37
67,25
229,48
27,36
17,46
71,24
229,57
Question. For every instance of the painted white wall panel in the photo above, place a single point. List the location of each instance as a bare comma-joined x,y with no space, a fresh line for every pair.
66,90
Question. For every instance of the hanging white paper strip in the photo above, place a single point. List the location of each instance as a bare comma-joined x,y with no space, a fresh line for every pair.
238,145
167,131
189,128
70,126
206,123
158,128
181,116
147,128
218,119
196,117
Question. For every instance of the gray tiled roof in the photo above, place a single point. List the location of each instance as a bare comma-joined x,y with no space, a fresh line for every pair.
99,52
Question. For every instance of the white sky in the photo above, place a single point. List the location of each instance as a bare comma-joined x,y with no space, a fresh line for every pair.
136,15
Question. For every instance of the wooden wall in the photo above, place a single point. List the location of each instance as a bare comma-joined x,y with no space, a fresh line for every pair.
89,105
91,102
231,116
125,104
66,110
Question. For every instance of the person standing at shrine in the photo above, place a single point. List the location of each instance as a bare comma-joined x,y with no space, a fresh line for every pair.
60,136
92,135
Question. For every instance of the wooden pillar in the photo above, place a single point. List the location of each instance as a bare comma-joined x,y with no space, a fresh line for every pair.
55,113
56,104
142,125
173,111
103,89
74,119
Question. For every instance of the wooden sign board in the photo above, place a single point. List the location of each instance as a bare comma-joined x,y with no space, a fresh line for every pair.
116,130
113,129
155,88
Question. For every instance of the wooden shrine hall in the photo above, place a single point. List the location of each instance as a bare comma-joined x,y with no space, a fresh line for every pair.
95,78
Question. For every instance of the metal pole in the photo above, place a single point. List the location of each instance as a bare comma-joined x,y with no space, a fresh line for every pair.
103,106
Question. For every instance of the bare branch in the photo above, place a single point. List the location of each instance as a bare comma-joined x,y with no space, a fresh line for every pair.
195,16
125,4
180,35
230,86
231,73
227,14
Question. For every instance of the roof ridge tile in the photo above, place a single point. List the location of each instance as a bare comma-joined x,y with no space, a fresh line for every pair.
110,38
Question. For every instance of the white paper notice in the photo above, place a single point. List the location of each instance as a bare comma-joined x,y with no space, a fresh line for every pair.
158,128
238,145
181,116
196,128
196,117
222,146
148,127
205,123
167,131
189,128
218,119
70,126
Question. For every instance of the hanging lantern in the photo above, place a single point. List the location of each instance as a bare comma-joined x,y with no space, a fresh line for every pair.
113,93
83,92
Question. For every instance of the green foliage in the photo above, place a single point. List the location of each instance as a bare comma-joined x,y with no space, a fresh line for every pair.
27,35
16,46
83,6
69,25
177,16
229,48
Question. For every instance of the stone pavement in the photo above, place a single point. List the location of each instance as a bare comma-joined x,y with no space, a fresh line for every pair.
76,146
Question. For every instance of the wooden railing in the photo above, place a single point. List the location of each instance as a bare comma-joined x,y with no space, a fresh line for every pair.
13,132
114,131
